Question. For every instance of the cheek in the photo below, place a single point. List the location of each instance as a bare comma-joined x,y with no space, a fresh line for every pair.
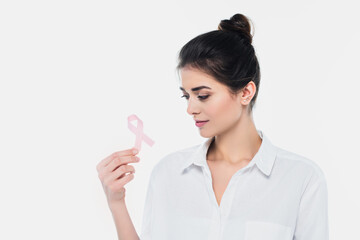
221,107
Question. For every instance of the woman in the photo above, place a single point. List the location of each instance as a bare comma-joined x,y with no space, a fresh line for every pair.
236,184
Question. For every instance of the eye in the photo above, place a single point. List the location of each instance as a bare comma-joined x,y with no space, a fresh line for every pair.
185,96
200,97
203,97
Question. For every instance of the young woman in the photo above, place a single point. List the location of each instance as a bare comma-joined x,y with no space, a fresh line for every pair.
235,185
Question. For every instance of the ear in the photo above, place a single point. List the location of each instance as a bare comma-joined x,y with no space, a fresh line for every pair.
247,93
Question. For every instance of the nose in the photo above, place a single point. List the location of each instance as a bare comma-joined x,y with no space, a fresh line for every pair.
192,107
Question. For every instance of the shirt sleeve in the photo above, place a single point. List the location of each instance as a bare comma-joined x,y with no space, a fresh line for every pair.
146,227
312,220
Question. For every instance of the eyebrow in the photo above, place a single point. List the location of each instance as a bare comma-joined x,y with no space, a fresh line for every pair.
196,88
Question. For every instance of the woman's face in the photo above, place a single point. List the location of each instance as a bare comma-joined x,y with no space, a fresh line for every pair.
210,101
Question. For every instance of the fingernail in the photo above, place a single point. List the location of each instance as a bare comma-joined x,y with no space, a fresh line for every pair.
135,151
137,158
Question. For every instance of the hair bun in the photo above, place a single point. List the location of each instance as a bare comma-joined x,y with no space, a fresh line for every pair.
239,24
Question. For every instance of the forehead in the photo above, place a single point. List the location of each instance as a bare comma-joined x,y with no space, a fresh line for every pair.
193,78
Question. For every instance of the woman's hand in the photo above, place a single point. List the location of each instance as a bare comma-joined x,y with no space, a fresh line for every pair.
112,174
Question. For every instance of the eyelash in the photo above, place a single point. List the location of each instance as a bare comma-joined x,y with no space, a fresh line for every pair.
200,97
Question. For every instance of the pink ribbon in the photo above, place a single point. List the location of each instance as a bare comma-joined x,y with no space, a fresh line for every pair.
138,131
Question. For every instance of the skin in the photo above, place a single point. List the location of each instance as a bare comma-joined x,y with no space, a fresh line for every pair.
236,138
114,173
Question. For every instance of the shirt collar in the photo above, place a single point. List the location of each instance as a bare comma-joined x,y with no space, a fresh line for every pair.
264,158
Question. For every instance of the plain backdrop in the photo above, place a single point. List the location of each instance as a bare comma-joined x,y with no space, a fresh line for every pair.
72,72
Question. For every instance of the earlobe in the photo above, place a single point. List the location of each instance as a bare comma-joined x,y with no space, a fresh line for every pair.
248,90
246,97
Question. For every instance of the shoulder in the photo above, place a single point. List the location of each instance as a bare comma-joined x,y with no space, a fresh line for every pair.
300,166
298,161
174,160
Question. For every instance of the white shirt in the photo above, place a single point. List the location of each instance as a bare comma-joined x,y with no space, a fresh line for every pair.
279,195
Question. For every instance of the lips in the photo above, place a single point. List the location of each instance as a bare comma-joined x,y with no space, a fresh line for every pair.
198,121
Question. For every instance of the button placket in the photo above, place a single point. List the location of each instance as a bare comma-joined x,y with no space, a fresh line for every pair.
215,228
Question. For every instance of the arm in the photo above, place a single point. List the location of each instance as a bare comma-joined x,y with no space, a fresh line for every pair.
124,226
312,220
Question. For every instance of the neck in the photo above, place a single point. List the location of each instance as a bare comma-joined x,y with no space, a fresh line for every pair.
237,145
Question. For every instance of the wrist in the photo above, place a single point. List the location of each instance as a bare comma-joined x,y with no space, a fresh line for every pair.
117,204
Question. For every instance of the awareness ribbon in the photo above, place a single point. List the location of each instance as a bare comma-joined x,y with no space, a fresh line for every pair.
138,131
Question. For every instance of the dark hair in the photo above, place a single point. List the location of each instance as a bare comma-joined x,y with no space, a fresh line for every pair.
225,54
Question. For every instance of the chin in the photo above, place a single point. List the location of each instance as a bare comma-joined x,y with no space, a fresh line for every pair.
205,135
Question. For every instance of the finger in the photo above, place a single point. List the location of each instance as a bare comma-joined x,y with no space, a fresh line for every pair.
126,153
118,174
108,159
118,161
123,181
121,172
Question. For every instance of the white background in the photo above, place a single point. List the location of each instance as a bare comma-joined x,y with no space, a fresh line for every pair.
72,72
